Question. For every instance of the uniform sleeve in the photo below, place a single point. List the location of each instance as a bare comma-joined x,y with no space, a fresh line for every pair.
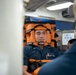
25,56
58,53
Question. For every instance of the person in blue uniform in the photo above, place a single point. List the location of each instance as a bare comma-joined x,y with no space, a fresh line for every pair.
63,65
33,53
70,42
57,40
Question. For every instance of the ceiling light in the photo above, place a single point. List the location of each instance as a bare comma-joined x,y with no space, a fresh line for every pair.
60,6
33,15
26,1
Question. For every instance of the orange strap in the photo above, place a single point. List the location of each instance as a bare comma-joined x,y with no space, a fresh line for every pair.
33,60
35,72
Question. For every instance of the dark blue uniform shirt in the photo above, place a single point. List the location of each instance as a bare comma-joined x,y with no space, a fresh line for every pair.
36,53
63,65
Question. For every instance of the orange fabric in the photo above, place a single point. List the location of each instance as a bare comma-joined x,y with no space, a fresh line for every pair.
33,60
30,33
30,37
40,28
35,72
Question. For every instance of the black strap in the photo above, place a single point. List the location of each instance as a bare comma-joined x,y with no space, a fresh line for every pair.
36,27
34,66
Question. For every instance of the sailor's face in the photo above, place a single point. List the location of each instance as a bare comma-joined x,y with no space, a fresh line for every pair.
69,45
57,39
40,36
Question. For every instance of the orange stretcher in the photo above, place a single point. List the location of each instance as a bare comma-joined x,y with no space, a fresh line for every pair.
36,70
29,31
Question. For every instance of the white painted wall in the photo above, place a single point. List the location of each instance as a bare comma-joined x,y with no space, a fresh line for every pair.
42,11
11,25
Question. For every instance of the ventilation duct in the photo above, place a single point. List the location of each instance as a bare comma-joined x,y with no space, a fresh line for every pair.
68,13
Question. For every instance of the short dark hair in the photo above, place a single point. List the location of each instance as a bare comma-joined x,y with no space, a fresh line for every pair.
71,41
56,35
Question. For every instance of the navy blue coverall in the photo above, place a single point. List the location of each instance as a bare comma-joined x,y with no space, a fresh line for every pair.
35,52
63,65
